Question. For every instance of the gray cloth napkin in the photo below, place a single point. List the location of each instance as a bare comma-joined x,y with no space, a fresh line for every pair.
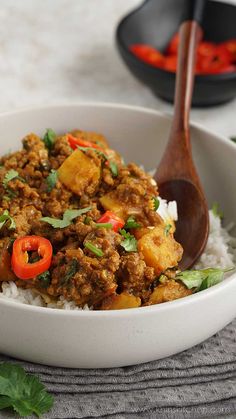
197,383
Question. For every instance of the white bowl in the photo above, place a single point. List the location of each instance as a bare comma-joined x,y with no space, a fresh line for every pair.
90,339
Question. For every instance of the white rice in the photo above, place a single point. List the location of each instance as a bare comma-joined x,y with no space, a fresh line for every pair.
220,252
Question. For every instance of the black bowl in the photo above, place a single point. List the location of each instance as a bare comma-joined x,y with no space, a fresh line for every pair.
155,22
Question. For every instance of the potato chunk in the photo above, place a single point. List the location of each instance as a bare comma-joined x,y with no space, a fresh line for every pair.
169,291
121,301
159,249
110,202
79,173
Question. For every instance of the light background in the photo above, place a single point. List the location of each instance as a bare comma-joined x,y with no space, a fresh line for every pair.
60,51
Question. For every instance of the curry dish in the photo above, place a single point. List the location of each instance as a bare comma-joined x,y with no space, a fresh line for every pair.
77,222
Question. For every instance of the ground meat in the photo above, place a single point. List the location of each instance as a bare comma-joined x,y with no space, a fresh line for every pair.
84,279
90,265
134,276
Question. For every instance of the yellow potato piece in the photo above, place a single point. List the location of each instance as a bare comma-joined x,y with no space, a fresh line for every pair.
169,291
110,202
79,173
159,249
121,301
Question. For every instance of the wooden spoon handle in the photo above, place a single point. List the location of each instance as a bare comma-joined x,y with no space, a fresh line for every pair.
190,34
177,159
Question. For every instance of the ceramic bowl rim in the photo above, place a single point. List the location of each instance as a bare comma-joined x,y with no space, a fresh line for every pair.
167,306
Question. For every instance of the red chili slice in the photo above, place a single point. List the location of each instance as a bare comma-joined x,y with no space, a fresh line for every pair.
20,258
111,218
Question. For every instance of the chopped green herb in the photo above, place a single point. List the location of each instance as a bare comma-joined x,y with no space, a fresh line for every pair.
233,139
131,223
23,392
114,168
94,249
103,225
6,218
45,279
100,153
129,243
87,220
68,216
156,203
49,138
162,279
216,210
167,229
10,175
203,278
71,271
51,180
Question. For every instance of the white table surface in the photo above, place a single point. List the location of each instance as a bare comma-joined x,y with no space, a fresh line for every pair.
60,51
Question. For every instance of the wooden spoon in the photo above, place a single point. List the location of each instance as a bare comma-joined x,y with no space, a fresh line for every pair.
176,175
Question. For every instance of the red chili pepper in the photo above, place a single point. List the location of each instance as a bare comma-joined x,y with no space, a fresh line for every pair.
148,54
74,142
20,258
230,46
111,218
171,63
172,48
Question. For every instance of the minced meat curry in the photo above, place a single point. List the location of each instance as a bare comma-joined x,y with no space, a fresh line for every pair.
77,222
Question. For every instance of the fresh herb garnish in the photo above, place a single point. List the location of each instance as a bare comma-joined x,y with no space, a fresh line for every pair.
23,392
131,223
167,229
100,153
114,168
129,243
49,138
5,218
203,278
10,175
87,220
45,279
68,216
216,210
51,180
233,139
94,249
103,225
112,165
156,203
71,271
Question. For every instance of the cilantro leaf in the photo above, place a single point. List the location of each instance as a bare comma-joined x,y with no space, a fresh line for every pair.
131,223
156,203
68,216
129,243
10,175
216,210
49,138
4,218
51,180
203,278
114,168
233,139
23,392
